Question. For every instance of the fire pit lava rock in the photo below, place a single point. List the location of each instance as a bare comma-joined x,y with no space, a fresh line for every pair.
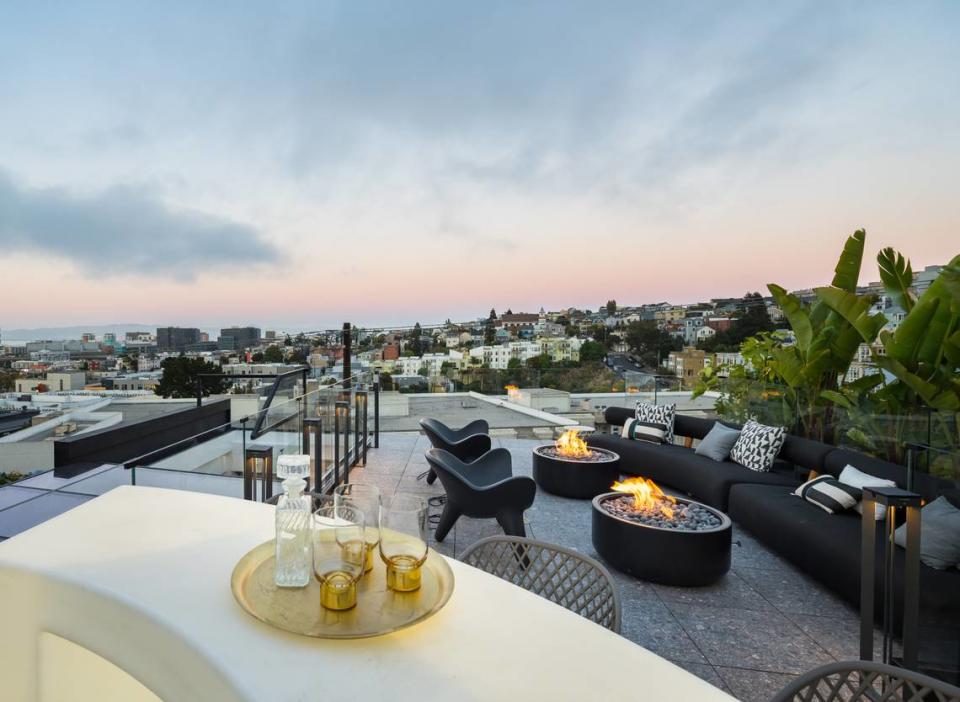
663,539
570,468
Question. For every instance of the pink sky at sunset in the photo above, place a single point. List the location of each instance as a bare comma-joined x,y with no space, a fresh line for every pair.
332,170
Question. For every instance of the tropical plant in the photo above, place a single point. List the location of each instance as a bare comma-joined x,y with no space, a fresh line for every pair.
826,339
921,357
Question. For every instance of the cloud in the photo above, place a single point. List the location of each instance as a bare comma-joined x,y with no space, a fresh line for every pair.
125,231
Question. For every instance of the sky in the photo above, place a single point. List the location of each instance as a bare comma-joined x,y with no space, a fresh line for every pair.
304,164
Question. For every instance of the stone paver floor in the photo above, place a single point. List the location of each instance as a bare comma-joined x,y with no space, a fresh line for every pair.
749,634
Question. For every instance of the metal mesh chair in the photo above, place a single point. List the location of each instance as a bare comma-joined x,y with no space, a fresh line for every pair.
852,681
570,579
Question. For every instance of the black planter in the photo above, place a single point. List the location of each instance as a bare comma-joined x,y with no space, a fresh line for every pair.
569,477
666,556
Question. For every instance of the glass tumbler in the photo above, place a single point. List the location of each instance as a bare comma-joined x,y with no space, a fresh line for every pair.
403,540
366,498
338,553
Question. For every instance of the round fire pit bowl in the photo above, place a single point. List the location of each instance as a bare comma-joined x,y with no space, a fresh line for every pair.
580,478
669,556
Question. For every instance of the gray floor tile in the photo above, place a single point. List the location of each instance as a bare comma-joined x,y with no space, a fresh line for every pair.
793,592
753,685
650,624
731,591
747,638
704,671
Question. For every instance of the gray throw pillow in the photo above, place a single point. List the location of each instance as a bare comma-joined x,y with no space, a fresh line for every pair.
718,442
939,534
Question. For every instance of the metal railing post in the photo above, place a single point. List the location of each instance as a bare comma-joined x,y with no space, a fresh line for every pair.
314,425
199,391
337,414
376,409
356,426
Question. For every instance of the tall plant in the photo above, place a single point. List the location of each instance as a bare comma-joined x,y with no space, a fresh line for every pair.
827,339
922,356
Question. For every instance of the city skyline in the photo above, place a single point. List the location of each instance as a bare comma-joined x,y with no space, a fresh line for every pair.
390,164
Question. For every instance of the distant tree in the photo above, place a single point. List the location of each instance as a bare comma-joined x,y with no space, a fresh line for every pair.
423,372
416,340
257,357
297,356
509,311
386,381
591,351
753,319
273,354
180,377
300,338
611,307
648,342
287,341
514,363
7,380
489,331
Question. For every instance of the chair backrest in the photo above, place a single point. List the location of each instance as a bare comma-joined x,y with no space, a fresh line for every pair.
570,579
853,681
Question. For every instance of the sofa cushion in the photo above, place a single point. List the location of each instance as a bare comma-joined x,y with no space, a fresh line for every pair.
616,416
658,414
939,534
644,431
680,468
717,443
805,454
858,479
827,547
758,446
693,427
829,494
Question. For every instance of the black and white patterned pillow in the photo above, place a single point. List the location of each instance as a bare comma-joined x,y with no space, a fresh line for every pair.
657,414
829,494
758,446
644,431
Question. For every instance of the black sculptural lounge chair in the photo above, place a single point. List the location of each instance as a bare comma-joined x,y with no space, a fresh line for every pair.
485,488
467,443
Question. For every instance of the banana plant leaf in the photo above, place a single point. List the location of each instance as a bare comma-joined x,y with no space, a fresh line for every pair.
904,343
946,289
796,315
896,274
942,399
847,273
855,309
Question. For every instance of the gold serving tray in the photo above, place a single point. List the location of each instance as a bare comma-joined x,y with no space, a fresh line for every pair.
378,611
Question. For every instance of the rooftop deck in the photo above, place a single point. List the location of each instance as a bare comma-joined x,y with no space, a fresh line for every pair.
749,634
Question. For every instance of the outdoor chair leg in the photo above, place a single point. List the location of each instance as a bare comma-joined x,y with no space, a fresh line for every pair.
449,517
431,476
512,523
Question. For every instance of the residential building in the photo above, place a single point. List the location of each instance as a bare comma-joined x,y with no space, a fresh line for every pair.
687,364
238,338
517,323
53,382
177,339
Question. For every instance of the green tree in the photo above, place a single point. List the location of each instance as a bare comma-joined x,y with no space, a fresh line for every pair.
591,351
650,343
287,341
273,354
489,330
7,380
257,357
386,381
180,377
611,307
416,340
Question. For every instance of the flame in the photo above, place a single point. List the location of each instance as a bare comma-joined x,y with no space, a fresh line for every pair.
647,495
571,445
510,389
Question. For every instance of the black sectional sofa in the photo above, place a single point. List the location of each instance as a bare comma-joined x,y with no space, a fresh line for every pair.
826,546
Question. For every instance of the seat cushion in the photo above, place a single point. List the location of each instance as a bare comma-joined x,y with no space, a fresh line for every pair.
827,547
680,468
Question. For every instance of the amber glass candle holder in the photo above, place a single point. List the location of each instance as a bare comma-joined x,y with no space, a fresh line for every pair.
338,554
403,540
366,498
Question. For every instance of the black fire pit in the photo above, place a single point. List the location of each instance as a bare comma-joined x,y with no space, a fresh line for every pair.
581,478
686,552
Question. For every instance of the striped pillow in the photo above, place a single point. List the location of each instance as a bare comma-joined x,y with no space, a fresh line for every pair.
644,431
829,494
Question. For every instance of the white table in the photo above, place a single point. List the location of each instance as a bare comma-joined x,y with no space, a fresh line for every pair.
138,580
